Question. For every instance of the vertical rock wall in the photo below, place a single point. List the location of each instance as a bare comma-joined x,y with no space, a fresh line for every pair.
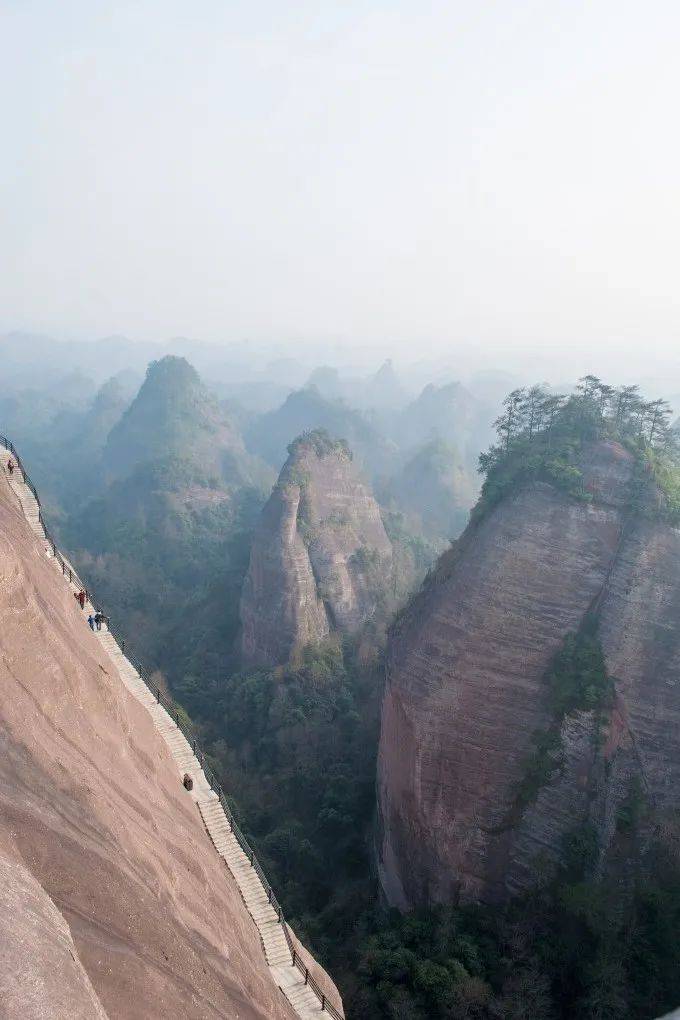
466,693
320,560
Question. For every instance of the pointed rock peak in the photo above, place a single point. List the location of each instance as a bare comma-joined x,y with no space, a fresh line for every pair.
386,371
173,415
110,393
320,559
171,376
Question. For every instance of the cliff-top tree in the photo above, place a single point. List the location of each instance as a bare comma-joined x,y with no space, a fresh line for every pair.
540,434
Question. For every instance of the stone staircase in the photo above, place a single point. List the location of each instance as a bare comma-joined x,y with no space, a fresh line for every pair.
289,978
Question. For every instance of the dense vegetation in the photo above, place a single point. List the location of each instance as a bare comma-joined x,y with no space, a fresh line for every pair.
577,681
567,950
540,435
297,745
166,548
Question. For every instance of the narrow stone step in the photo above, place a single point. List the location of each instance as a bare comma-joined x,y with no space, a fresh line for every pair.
275,961
274,949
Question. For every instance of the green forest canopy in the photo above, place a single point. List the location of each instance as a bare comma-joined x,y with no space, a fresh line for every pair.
540,434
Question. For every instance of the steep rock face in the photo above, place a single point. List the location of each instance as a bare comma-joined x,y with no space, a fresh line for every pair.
320,556
113,901
466,690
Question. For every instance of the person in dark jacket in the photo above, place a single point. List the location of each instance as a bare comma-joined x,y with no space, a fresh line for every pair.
90,620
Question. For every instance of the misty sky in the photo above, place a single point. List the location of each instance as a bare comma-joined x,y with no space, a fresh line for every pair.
497,175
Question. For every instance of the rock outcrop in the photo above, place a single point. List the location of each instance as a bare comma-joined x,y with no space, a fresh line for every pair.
113,901
466,690
320,559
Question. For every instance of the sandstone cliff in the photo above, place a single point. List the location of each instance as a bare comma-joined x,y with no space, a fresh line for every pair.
113,901
466,691
320,559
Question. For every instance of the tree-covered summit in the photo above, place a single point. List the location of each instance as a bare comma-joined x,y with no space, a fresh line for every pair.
321,441
540,434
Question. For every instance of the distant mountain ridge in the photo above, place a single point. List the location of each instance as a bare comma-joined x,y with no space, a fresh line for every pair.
306,410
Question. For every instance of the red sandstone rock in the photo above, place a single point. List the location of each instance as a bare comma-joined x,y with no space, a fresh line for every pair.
113,901
465,689
320,557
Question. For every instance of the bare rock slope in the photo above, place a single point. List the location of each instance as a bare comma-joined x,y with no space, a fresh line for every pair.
113,901
320,559
466,691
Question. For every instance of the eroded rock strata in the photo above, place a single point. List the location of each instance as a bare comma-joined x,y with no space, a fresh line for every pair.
320,558
466,691
113,901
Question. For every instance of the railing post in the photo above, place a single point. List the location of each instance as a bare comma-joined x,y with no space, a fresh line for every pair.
279,915
70,575
293,957
306,975
323,1001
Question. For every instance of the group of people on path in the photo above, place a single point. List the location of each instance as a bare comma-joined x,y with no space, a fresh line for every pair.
95,620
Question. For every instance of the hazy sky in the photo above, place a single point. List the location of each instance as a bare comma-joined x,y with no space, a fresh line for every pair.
491,174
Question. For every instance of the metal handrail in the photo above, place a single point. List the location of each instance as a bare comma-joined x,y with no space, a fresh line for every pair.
184,724
298,962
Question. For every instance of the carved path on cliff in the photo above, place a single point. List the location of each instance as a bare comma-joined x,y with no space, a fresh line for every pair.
287,960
